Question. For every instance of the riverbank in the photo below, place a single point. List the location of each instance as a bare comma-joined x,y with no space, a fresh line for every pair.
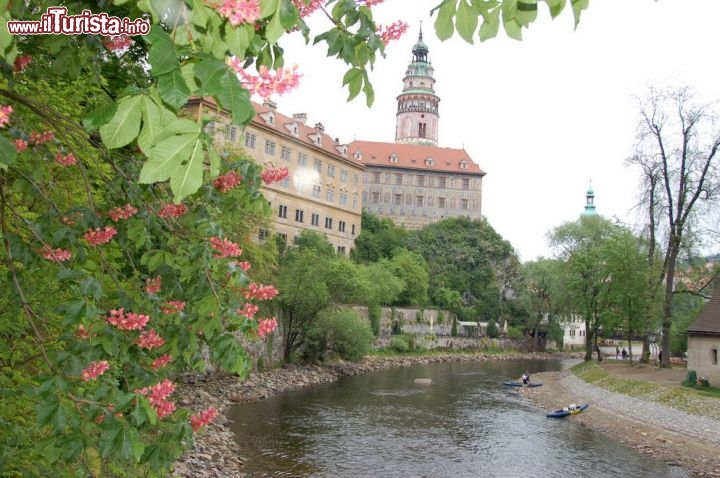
691,441
664,433
215,453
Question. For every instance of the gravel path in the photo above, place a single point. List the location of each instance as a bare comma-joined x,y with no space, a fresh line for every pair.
698,427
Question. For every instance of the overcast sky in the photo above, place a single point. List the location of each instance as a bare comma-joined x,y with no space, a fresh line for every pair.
542,117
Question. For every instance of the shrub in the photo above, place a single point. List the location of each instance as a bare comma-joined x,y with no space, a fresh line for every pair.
419,316
454,329
441,317
515,333
342,331
399,345
492,329
374,312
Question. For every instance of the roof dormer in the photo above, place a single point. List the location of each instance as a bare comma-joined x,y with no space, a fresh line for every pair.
393,158
293,128
429,161
358,155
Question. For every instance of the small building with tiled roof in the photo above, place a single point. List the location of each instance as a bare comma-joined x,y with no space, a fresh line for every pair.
413,181
704,341
324,189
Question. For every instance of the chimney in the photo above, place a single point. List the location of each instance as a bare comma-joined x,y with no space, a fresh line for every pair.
300,118
270,104
337,140
319,127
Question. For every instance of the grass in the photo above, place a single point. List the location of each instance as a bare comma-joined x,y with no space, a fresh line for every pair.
697,401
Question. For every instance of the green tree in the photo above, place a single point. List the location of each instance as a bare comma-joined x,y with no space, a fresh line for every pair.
379,238
341,331
543,292
410,267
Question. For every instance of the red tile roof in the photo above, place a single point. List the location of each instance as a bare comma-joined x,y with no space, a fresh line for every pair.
412,156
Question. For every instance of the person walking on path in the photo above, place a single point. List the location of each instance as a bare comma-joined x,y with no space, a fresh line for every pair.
624,353
617,352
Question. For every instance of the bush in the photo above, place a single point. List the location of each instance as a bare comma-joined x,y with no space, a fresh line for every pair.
440,317
515,333
492,329
399,345
342,331
374,312
419,316
454,330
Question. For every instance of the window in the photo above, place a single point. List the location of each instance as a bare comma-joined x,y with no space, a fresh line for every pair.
375,198
387,178
398,200
302,159
386,198
285,153
299,215
355,200
352,229
341,249
713,356
330,195
317,165
419,201
408,200
270,147
441,203
317,190
285,182
231,134
210,128
442,180
315,219
398,178
344,175
282,211
328,223
466,183
464,204
376,177
463,164
263,234
422,129
343,199
341,226
355,179
283,237
420,180
331,170
393,158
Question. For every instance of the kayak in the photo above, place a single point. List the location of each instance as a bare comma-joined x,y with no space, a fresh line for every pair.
520,384
569,410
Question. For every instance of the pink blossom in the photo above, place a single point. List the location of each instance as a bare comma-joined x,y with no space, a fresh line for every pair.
201,419
392,31
150,339
157,395
129,321
240,11
95,369
271,175
160,362
309,9
244,265
224,248
369,3
65,160
123,212
5,115
266,326
99,235
117,42
56,255
260,292
266,82
21,62
154,285
249,310
172,210
172,306
82,332
40,138
20,145
227,181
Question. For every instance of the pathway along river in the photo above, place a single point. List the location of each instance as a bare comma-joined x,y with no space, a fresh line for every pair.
464,424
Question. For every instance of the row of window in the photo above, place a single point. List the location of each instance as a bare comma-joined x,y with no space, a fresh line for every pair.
264,234
343,196
421,180
314,219
421,201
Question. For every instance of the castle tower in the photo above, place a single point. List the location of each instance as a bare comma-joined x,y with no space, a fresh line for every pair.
590,203
417,112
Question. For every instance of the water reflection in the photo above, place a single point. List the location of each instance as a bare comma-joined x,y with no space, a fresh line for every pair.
465,424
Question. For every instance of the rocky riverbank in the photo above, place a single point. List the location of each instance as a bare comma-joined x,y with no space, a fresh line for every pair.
215,453
667,434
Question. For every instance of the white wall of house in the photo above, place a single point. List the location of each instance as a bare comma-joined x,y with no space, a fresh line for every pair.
574,334
703,357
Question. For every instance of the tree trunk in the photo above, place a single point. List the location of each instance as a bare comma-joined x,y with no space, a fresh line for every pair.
673,250
588,341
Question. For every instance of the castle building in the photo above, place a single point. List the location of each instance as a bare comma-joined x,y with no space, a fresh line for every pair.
589,203
324,189
413,181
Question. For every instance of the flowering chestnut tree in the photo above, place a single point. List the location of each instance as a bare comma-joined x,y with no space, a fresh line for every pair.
118,266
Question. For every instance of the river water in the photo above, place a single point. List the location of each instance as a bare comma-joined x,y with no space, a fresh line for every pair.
464,424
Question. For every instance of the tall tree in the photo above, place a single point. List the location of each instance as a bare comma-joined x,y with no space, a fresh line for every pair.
543,292
676,148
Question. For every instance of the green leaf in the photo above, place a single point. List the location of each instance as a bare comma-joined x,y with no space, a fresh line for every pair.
214,162
490,26
237,40
526,12
555,6
47,411
444,27
163,57
210,72
513,29
466,21
268,7
578,6
91,286
235,98
152,123
166,157
107,439
8,153
99,116
138,414
124,125
188,177
188,73
275,29
173,89
200,13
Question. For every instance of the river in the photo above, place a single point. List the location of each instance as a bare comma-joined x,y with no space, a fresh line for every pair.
464,424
